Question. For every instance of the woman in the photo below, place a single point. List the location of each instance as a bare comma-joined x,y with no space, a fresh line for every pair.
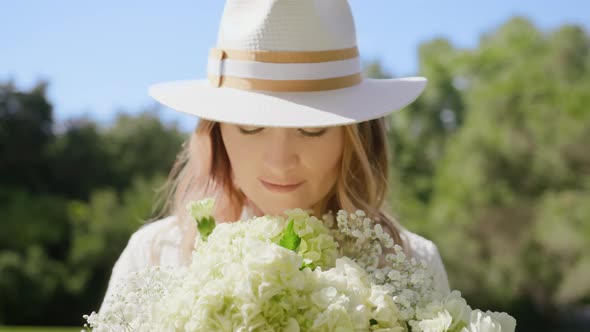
286,121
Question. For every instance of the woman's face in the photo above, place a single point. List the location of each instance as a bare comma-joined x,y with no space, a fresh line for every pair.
283,168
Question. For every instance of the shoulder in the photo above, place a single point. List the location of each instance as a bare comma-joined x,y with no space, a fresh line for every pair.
424,249
420,246
150,229
142,241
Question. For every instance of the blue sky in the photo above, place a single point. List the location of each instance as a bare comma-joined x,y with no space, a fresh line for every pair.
101,56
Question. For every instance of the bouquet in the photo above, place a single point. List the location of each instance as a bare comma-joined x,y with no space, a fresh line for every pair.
293,273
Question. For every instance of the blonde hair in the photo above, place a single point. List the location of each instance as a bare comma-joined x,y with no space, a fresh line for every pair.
202,169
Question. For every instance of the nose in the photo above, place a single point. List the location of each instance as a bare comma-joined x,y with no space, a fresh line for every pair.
281,152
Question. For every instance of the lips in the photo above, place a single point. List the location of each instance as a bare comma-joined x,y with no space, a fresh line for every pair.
277,186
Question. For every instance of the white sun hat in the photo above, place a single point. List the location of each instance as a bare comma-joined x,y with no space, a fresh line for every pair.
287,63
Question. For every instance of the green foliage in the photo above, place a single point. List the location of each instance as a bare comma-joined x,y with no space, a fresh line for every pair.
141,146
504,191
69,202
562,230
25,133
81,161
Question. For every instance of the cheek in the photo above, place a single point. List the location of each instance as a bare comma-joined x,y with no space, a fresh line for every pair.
240,154
326,167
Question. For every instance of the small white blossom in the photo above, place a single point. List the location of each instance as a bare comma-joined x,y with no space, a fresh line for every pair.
201,209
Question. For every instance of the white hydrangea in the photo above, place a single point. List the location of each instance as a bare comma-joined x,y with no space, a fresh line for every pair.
490,322
291,274
440,323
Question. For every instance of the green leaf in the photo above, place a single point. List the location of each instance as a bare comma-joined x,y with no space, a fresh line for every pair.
206,225
290,239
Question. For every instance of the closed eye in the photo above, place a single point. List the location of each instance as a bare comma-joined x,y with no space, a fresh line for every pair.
250,131
307,133
313,133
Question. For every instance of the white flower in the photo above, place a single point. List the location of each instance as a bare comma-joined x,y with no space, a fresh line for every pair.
201,209
440,323
258,275
490,322
458,308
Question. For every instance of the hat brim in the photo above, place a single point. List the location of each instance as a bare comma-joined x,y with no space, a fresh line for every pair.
372,98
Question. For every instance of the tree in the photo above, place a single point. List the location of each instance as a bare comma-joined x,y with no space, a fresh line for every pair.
69,202
517,167
81,161
26,120
141,146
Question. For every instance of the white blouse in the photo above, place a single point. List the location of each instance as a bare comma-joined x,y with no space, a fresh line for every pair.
136,254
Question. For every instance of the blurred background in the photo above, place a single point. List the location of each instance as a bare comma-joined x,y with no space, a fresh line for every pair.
492,162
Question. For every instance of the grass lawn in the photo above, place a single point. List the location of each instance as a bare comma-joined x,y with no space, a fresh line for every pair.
38,329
